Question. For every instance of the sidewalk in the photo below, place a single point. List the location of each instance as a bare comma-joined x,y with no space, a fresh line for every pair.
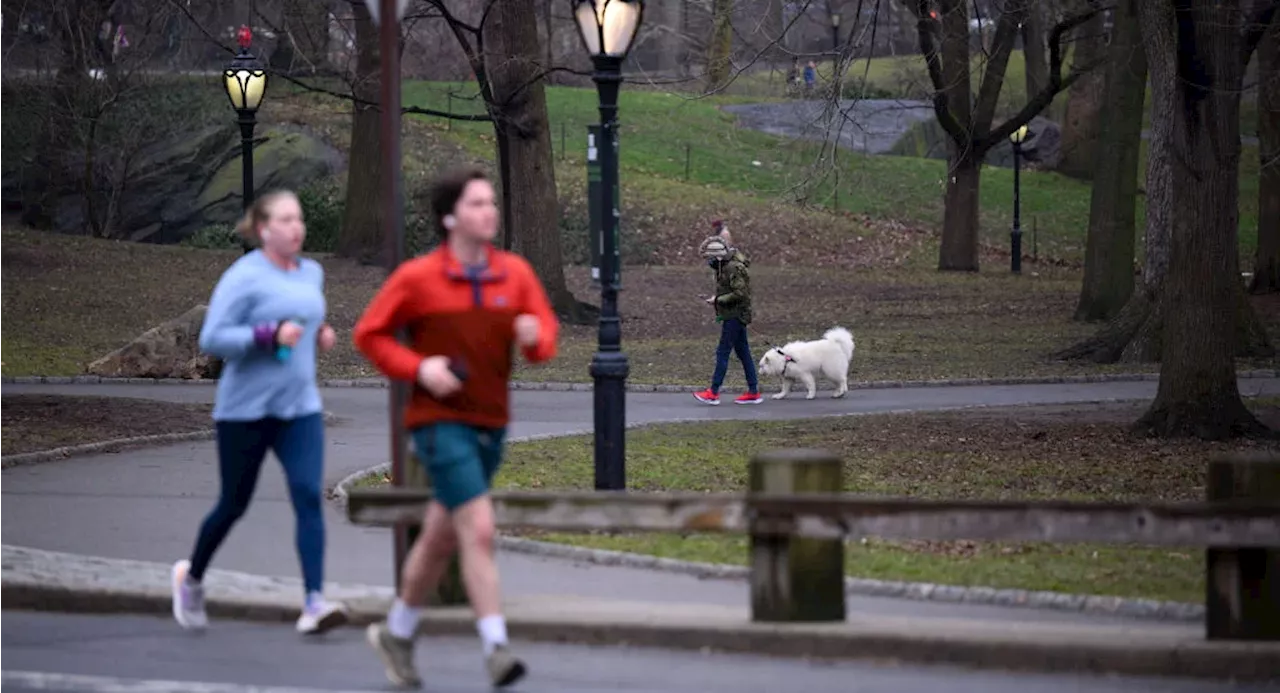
147,504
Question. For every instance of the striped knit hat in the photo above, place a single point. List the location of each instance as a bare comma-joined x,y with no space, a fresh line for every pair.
713,247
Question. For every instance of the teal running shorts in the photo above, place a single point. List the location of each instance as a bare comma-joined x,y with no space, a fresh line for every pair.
460,459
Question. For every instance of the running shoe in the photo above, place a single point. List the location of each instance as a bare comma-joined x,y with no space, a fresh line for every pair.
320,616
504,668
188,598
396,655
707,396
749,398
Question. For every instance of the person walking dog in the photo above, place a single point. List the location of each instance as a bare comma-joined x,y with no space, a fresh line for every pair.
732,303
266,320
468,306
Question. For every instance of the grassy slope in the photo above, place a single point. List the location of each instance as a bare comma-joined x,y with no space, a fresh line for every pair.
725,157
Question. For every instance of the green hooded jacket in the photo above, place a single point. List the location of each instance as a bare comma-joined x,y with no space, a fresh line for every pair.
733,289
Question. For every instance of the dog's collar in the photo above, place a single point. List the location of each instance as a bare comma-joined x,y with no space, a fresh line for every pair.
787,359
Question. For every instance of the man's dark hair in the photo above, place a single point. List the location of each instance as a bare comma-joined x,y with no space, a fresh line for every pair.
447,190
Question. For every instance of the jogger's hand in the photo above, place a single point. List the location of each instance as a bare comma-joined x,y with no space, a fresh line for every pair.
435,376
289,333
327,338
527,330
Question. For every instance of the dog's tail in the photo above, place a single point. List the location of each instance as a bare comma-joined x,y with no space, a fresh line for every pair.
841,336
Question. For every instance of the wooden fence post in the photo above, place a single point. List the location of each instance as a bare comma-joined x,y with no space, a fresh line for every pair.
451,591
1242,599
796,579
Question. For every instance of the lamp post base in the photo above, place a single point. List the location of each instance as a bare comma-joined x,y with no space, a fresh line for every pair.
610,369
1015,250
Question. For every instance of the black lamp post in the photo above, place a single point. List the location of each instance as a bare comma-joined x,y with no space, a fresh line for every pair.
1018,137
246,82
607,28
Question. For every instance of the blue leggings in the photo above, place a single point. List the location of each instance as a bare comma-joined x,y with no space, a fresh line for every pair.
242,446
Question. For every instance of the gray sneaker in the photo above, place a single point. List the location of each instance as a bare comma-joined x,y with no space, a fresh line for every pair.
396,655
188,598
504,668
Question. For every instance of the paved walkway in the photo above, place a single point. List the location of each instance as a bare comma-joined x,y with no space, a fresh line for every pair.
146,504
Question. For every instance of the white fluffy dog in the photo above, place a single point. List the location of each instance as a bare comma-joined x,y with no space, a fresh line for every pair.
805,361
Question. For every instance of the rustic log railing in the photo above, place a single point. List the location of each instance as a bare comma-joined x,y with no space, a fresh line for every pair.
797,531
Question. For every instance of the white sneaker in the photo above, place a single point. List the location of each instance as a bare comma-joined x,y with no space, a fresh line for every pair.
188,598
321,616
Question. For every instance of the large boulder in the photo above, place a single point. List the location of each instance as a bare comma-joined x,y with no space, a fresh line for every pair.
169,350
186,183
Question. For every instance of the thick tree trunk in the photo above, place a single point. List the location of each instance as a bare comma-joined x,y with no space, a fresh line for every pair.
1034,50
1108,264
361,236
1080,125
1266,263
512,60
959,250
1198,393
720,44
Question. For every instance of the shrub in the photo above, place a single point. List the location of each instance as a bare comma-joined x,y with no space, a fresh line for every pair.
322,203
216,237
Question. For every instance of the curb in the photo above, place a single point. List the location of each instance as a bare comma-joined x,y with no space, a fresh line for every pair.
642,387
48,581
1124,607
116,445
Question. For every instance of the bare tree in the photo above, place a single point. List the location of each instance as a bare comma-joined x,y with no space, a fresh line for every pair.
1108,263
1195,51
720,43
944,43
361,233
1080,125
1266,265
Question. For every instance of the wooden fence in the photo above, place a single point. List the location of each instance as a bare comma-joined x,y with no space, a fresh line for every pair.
798,521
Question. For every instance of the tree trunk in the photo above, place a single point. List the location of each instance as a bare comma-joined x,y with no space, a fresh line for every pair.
1034,50
1108,263
1266,264
1080,125
361,236
530,214
720,45
1198,393
959,250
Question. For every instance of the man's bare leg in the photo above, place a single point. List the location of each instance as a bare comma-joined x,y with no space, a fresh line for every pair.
420,575
473,522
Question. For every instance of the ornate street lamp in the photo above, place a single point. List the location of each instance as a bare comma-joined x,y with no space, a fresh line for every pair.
245,81
1017,138
835,34
607,28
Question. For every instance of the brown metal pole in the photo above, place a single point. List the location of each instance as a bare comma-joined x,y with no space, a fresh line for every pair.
393,229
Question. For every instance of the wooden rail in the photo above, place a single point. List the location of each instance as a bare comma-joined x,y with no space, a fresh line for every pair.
828,516
797,521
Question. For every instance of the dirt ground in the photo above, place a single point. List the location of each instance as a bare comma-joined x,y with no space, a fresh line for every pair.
30,423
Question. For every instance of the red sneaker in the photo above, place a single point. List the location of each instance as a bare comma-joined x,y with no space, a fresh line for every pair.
707,396
749,398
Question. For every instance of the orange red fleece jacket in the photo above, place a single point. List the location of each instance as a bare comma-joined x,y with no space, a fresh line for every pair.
465,314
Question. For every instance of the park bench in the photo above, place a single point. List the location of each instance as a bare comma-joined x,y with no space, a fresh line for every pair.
798,520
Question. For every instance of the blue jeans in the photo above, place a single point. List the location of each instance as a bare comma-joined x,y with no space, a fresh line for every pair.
733,338
242,446
460,460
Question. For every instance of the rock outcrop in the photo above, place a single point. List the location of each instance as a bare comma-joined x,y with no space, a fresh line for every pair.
169,350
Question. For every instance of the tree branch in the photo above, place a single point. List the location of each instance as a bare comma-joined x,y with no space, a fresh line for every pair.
414,110
1056,84
1256,27
993,77
927,28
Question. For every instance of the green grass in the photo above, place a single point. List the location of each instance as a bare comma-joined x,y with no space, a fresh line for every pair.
659,130
1081,453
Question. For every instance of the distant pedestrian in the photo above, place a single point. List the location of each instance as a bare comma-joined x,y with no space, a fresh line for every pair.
266,321
810,77
467,306
732,303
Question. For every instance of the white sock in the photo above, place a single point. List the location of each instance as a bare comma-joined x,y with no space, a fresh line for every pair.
493,632
402,620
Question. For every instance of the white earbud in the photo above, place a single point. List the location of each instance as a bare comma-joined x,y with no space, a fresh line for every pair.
264,234
449,221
